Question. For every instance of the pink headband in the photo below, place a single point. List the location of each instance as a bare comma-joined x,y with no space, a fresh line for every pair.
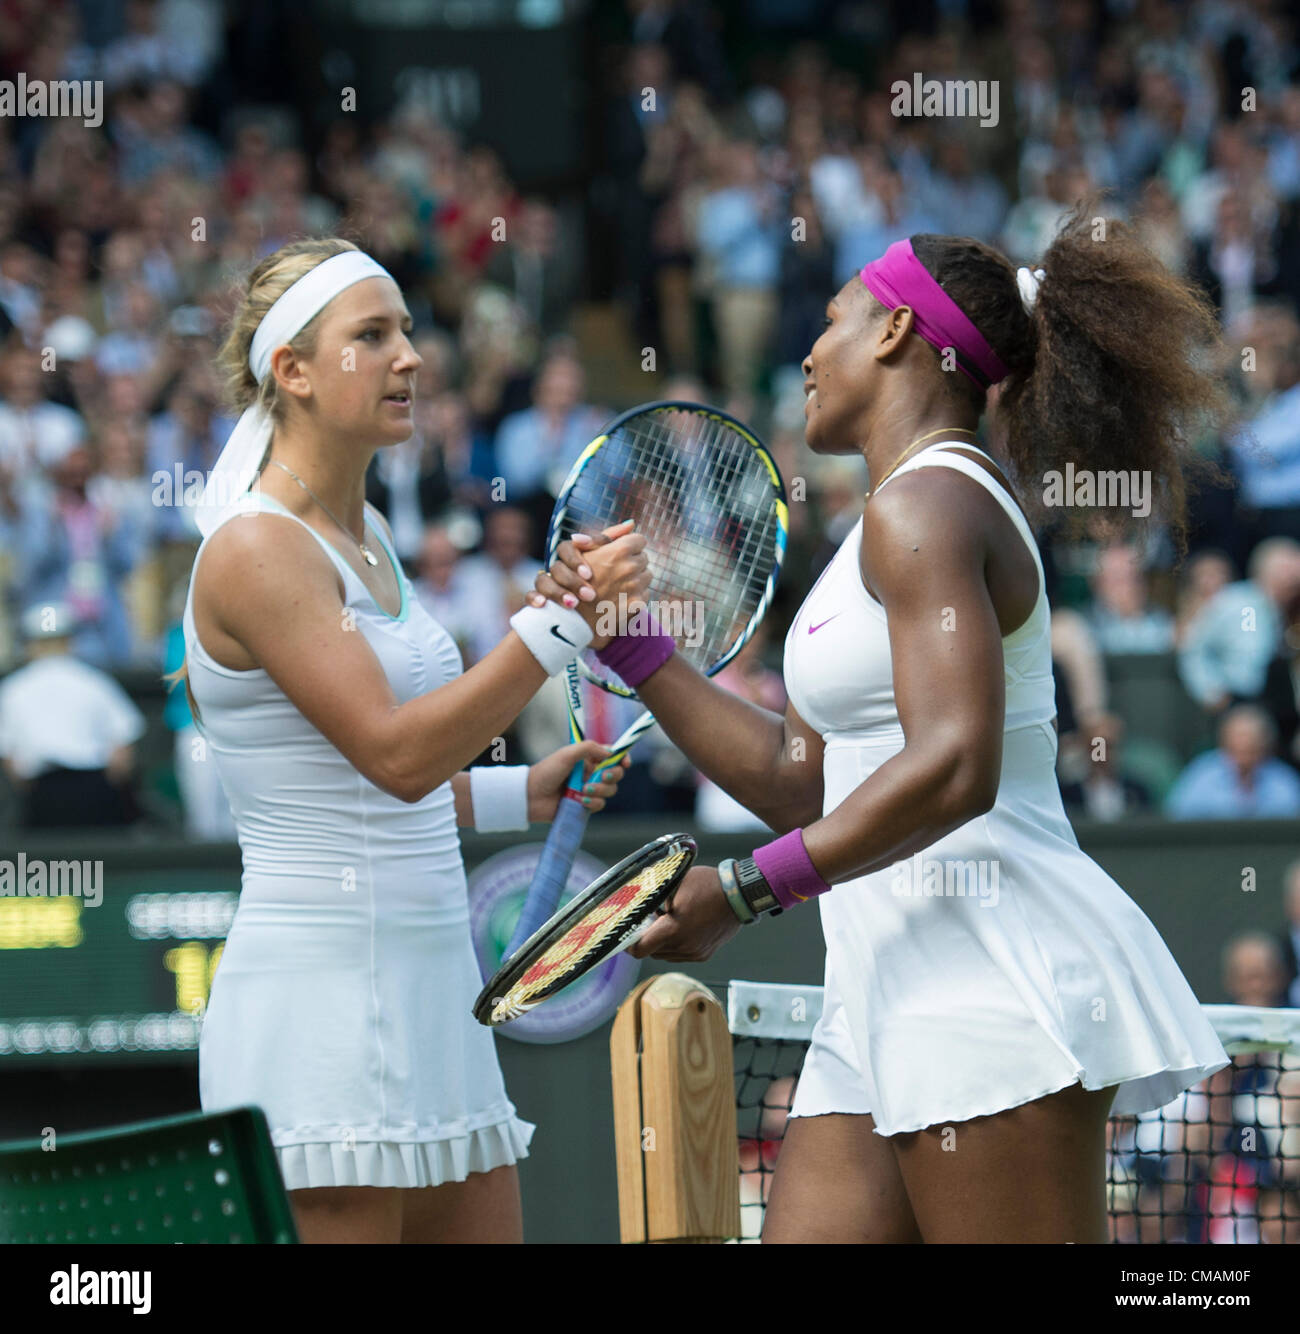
898,278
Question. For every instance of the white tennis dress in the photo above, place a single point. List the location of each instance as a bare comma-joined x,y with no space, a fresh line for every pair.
1002,963
341,1004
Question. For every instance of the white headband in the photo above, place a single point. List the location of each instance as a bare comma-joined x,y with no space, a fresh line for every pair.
299,304
239,461
1029,282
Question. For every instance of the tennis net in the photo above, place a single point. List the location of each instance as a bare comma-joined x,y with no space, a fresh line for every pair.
1220,1164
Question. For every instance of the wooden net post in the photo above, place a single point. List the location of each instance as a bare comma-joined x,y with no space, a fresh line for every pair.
674,1114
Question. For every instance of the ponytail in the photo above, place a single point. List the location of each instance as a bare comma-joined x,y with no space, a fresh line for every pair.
1118,368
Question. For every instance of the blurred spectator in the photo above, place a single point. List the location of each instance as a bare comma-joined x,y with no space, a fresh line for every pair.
643,100
671,178
740,228
497,580
183,442
1281,693
898,214
963,199
1284,144
807,283
1228,645
1266,453
442,589
1203,576
838,486
71,549
119,485
1234,264
1121,620
1289,942
163,41
132,346
1160,226
536,448
153,136
34,433
73,341
537,267
1254,972
1241,780
467,228
1103,791
20,287
1033,221
66,730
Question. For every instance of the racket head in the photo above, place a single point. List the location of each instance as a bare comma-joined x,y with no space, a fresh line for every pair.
596,923
708,496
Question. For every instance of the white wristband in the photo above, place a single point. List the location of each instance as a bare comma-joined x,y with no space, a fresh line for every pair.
554,634
499,795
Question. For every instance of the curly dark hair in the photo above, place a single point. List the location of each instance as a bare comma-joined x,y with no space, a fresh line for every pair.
1120,366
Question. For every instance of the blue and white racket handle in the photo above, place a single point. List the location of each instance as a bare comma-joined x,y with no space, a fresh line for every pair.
565,837
555,863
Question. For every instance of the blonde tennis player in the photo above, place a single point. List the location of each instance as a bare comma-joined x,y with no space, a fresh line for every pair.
991,994
338,716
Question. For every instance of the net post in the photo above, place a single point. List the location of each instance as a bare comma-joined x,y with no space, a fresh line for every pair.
674,1114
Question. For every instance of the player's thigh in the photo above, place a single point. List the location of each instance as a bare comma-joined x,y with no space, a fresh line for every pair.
1032,1173
836,1180
485,1207
335,1214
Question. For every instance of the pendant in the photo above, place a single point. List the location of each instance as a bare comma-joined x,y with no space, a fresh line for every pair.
367,555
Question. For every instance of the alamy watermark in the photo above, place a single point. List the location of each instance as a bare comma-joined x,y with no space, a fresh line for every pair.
40,879
947,878
1086,489
946,97
81,99
684,620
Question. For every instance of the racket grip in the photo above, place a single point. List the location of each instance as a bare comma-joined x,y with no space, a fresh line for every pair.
553,868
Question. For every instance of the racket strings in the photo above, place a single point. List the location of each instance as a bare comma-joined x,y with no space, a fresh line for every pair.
705,501
588,934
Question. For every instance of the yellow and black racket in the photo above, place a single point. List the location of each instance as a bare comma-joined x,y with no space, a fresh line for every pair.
709,499
605,918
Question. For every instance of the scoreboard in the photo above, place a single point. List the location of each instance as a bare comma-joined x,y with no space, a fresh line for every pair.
126,979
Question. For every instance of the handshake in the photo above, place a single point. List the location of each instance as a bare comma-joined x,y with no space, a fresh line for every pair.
603,577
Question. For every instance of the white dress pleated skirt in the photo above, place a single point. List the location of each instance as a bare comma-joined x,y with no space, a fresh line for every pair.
998,966
355,1037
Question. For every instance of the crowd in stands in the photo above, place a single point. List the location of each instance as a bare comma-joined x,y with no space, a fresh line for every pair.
726,207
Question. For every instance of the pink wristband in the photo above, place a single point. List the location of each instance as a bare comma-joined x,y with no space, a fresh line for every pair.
640,652
788,869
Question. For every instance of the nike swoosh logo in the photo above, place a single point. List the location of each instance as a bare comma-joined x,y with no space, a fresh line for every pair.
555,630
812,629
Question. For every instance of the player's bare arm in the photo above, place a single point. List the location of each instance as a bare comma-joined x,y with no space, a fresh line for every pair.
281,608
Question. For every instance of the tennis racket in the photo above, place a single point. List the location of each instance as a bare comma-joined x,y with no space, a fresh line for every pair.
603,919
708,497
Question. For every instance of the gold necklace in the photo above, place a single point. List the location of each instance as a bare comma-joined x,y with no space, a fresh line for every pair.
366,554
919,440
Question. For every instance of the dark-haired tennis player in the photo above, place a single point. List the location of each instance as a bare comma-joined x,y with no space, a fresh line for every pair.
340,721
991,994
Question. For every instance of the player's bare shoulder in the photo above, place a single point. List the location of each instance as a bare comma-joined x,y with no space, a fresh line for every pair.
926,519
259,560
